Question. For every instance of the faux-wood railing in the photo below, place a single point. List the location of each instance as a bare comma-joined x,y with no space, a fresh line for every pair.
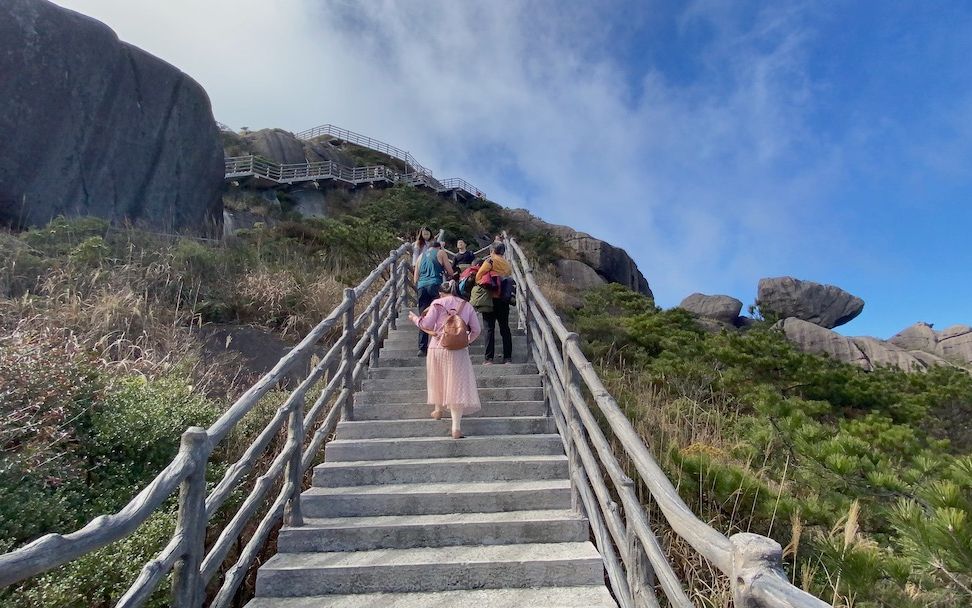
633,557
186,555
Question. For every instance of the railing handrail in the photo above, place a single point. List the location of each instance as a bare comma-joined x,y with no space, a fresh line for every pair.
752,562
185,555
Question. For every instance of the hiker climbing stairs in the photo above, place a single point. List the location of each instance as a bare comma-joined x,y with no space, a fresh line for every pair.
401,514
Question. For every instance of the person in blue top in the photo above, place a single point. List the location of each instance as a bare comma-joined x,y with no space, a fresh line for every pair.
428,276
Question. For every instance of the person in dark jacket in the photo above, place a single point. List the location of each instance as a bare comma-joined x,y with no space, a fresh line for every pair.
501,308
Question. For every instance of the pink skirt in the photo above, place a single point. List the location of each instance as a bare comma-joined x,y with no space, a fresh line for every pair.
451,381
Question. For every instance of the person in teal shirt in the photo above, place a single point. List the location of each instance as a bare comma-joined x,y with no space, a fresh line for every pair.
428,276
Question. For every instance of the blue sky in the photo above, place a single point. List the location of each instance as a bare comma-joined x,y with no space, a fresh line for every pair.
717,142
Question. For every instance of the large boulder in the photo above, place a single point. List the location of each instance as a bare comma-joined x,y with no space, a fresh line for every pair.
277,145
865,352
824,305
719,307
812,338
94,126
885,354
919,336
952,343
578,274
955,343
613,264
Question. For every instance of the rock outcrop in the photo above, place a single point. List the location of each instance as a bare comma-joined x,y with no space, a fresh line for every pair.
282,147
718,307
828,306
611,263
94,126
578,274
953,343
813,338
277,145
865,352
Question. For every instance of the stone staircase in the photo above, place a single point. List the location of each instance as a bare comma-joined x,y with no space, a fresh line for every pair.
402,515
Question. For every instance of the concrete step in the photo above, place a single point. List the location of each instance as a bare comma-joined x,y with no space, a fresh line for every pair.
594,596
481,371
418,411
412,360
400,448
418,382
408,531
431,569
433,498
439,470
472,427
487,392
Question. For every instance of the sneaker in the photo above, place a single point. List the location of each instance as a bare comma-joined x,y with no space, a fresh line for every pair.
488,362
421,353
504,361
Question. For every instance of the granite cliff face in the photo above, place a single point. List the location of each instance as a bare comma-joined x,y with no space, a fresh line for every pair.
94,126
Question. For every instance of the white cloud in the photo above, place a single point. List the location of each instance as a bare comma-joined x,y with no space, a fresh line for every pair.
697,181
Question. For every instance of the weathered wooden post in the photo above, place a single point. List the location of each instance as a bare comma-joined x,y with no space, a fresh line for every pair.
571,418
753,556
295,444
347,355
525,318
188,589
394,290
641,576
375,323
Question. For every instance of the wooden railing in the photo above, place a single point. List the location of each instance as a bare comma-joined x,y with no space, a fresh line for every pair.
633,557
194,565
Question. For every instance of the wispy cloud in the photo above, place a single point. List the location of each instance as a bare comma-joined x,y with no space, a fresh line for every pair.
709,181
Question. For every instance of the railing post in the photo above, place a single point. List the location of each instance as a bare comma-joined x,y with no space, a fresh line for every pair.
375,323
641,576
188,590
571,418
293,516
525,317
347,355
753,556
394,290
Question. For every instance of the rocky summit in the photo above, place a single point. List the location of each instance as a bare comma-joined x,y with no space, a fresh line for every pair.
828,306
112,131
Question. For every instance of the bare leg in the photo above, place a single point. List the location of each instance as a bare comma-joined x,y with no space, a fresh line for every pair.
456,421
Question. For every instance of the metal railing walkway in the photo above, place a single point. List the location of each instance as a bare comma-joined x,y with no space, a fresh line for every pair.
594,437
415,174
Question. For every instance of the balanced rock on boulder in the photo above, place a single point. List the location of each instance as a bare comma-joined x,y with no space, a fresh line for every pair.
825,305
719,307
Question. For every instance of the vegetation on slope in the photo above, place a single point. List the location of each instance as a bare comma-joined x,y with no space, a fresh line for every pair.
853,472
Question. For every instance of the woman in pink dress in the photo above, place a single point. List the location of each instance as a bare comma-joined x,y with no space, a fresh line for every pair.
449,373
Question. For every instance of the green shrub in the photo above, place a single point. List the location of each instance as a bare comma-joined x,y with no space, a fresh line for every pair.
98,580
